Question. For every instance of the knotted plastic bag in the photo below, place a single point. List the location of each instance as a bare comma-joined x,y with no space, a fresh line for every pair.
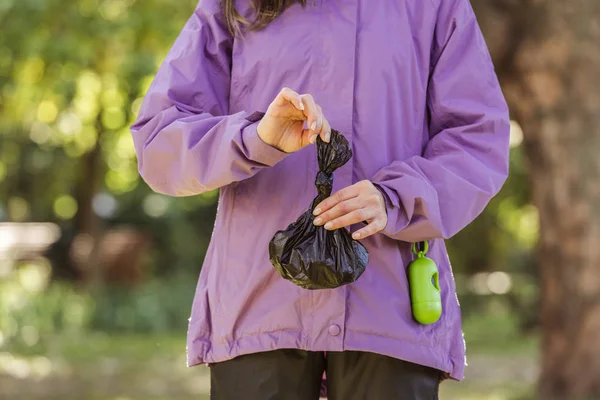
311,256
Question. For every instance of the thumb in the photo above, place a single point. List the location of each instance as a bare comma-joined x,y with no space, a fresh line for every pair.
308,137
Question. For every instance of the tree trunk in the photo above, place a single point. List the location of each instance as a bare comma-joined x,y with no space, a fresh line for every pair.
548,61
87,223
87,184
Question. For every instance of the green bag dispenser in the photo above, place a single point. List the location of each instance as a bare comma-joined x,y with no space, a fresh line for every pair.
423,277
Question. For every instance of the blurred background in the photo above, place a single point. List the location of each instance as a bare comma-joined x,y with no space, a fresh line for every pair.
97,273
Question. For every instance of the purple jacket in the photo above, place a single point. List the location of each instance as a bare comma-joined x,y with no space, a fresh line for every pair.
412,87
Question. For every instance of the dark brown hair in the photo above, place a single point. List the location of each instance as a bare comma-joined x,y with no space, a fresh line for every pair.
265,11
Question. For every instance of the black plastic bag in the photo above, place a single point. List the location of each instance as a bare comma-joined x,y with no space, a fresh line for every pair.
311,256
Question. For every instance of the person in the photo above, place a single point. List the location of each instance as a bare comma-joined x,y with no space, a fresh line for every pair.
237,105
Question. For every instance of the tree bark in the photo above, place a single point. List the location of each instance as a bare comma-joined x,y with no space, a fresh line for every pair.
87,184
87,223
548,61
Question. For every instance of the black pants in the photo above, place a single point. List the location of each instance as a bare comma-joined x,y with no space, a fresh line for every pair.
296,375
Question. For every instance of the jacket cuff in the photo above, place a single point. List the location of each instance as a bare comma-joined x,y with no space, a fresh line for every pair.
258,150
395,215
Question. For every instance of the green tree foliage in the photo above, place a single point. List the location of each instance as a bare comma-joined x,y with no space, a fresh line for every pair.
72,77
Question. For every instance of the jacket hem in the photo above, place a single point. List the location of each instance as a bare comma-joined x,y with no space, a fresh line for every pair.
202,351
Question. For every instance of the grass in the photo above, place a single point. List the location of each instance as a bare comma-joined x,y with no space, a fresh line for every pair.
96,366
502,364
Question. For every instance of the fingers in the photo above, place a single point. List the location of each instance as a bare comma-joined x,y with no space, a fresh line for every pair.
287,95
351,218
352,205
340,209
326,130
325,133
338,197
313,114
376,225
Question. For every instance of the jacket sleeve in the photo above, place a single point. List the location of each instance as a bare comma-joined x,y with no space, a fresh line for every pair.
465,163
185,141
